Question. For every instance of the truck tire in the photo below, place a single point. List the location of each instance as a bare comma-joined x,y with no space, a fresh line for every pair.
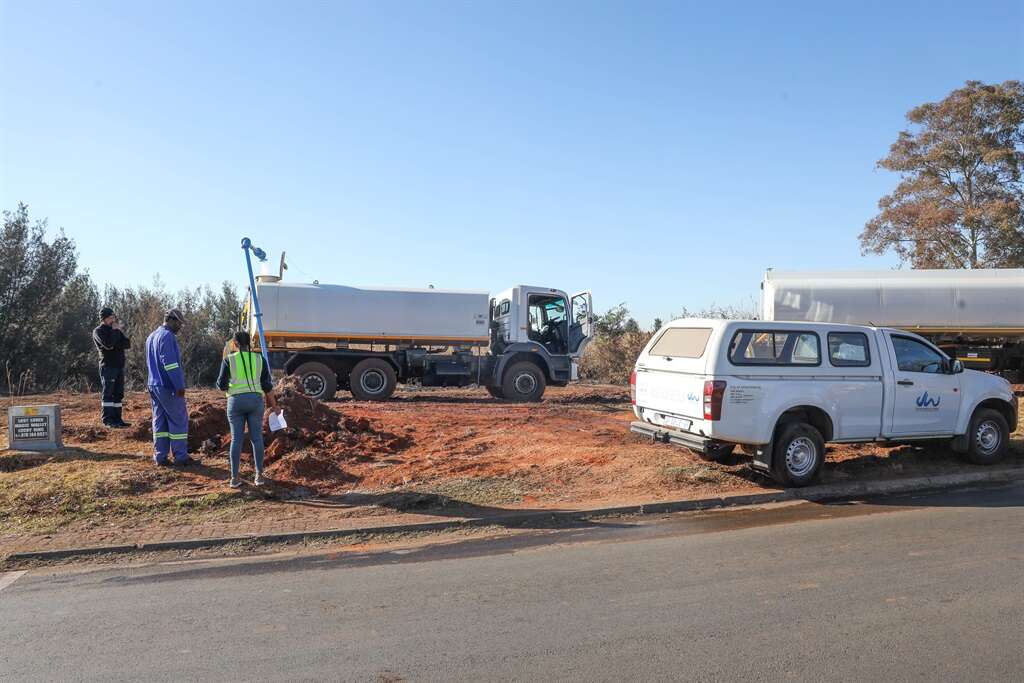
523,382
798,454
496,393
372,379
317,380
988,437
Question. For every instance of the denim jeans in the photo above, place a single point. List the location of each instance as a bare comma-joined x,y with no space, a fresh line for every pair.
246,409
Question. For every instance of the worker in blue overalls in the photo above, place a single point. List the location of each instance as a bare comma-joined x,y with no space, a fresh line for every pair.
167,391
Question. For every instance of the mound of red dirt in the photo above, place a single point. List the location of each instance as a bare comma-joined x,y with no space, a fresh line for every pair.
318,441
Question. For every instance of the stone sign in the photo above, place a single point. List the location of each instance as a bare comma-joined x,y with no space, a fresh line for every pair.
34,428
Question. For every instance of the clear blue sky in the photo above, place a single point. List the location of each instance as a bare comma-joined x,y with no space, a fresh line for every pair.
661,154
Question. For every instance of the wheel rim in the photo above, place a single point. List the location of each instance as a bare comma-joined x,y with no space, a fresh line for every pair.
313,385
988,437
373,381
801,456
525,383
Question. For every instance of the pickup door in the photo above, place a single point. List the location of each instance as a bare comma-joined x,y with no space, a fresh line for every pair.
925,396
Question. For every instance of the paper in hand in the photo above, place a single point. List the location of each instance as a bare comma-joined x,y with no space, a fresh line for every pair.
277,421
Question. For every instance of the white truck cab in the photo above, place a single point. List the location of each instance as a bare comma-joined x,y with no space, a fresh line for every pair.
785,389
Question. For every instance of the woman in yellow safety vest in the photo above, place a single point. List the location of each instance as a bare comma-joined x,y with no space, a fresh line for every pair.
246,378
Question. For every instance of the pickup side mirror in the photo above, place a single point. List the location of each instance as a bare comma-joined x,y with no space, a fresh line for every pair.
956,367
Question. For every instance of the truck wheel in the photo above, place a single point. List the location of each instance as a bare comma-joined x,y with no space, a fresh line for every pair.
988,437
372,379
317,380
523,383
496,393
799,454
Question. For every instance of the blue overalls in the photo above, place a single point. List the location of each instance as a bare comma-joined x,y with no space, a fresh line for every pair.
166,379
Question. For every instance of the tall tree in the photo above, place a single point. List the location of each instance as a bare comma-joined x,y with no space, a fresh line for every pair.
959,202
33,275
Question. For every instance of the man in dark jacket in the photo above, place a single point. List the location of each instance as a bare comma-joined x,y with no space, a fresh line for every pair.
111,343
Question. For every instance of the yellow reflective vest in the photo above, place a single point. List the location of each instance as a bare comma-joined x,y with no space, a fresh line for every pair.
245,369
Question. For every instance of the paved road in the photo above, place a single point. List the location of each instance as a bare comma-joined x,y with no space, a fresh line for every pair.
924,589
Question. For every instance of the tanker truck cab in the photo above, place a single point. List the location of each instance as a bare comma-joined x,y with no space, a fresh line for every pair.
542,327
784,390
548,318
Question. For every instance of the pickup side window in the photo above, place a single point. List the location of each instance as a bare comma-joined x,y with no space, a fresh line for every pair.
913,356
771,347
848,349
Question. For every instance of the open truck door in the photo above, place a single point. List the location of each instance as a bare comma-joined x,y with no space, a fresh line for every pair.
581,326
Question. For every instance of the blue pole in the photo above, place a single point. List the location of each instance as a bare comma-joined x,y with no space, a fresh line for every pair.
246,246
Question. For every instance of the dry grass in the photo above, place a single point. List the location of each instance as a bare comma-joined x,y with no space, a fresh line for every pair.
42,493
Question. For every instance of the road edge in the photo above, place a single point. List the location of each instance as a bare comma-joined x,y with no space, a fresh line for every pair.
819,493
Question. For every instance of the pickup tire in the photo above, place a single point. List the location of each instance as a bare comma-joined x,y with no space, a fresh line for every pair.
798,454
988,437
523,382
372,379
496,392
317,380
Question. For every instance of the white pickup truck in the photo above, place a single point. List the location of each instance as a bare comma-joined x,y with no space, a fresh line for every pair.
783,390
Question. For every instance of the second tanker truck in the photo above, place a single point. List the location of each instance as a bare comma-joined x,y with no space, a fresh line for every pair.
366,341
975,316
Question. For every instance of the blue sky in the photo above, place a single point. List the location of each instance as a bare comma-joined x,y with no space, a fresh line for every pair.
660,154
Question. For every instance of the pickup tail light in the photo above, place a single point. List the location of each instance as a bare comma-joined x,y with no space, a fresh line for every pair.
714,392
632,387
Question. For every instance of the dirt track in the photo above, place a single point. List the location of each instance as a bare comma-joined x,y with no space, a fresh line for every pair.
458,446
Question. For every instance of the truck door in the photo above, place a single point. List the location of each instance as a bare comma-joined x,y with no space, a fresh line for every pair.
581,322
926,395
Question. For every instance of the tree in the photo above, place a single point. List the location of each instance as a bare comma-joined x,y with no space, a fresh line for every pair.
959,202
618,340
37,278
745,311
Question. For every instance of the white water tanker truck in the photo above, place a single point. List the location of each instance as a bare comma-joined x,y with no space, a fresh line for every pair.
367,340
974,316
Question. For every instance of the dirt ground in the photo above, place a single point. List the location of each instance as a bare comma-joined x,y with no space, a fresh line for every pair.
424,449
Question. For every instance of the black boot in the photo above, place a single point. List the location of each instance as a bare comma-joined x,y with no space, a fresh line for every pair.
118,420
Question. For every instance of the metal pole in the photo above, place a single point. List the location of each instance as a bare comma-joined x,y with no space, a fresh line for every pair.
246,246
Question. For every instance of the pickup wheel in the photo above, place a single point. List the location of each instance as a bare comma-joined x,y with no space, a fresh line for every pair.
496,393
372,379
988,437
799,454
523,383
317,380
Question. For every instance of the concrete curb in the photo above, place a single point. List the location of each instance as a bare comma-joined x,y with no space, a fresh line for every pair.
820,493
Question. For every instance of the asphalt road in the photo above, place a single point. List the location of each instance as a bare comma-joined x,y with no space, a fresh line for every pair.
925,589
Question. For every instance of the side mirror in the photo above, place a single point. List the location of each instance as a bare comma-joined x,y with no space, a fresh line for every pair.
957,367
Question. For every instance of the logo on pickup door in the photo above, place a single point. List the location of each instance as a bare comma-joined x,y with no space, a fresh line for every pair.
926,401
